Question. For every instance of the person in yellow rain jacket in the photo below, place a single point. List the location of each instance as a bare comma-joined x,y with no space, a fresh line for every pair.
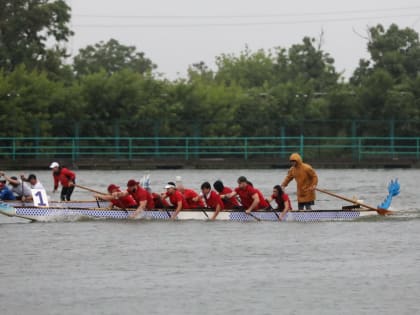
306,181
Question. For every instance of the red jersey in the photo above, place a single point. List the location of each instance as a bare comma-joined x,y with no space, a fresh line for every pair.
189,194
213,199
229,203
63,177
281,202
160,203
176,197
246,197
125,202
141,195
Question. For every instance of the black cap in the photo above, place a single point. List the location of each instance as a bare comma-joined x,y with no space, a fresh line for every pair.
31,176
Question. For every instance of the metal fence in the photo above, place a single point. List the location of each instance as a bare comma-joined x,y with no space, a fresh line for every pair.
355,148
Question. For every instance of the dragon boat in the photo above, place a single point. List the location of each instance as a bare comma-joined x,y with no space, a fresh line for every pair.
75,210
48,214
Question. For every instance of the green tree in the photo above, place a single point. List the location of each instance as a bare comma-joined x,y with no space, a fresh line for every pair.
396,50
249,69
308,64
27,27
111,57
28,102
385,85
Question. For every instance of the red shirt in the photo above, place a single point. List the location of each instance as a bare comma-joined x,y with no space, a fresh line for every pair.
281,202
246,197
63,177
125,202
176,197
213,199
189,194
160,203
141,195
231,202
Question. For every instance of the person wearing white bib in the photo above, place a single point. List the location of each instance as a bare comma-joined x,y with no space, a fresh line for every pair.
34,183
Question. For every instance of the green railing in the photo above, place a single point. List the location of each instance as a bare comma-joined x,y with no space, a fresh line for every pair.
355,148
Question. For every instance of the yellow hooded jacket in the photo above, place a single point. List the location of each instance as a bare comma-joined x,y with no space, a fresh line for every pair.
305,177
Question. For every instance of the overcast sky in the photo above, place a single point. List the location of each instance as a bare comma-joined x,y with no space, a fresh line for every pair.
178,33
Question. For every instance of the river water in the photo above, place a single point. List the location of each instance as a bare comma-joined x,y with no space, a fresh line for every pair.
369,266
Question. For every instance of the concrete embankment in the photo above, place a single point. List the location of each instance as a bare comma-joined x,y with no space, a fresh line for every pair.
202,163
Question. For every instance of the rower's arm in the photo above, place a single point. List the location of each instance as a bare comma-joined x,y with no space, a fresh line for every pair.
286,209
197,198
104,197
120,194
10,180
229,195
140,208
177,210
216,212
254,204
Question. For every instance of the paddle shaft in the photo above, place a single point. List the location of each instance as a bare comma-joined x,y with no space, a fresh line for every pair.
250,214
89,189
345,198
272,209
205,213
380,211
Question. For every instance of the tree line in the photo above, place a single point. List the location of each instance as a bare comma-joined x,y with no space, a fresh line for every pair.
112,89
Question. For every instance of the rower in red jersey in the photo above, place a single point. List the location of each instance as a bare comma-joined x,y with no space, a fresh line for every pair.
191,197
229,203
282,200
175,198
212,199
251,198
160,203
141,196
122,202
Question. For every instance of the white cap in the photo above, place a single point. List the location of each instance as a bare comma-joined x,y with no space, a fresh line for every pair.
54,164
169,186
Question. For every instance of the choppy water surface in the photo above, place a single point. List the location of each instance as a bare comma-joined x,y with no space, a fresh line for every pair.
135,267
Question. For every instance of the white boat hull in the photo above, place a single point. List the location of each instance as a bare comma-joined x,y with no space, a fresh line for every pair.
69,213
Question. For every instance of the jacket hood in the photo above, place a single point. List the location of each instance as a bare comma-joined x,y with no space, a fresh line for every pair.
296,157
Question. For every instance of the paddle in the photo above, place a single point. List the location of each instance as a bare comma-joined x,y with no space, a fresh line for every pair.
272,209
379,211
204,211
89,189
256,218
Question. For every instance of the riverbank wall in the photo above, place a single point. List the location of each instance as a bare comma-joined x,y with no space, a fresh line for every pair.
204,163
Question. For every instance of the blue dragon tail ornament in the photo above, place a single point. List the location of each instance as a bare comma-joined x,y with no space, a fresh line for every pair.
393,190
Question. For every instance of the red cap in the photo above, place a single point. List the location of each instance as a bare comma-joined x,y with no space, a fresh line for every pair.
132,182
112,187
